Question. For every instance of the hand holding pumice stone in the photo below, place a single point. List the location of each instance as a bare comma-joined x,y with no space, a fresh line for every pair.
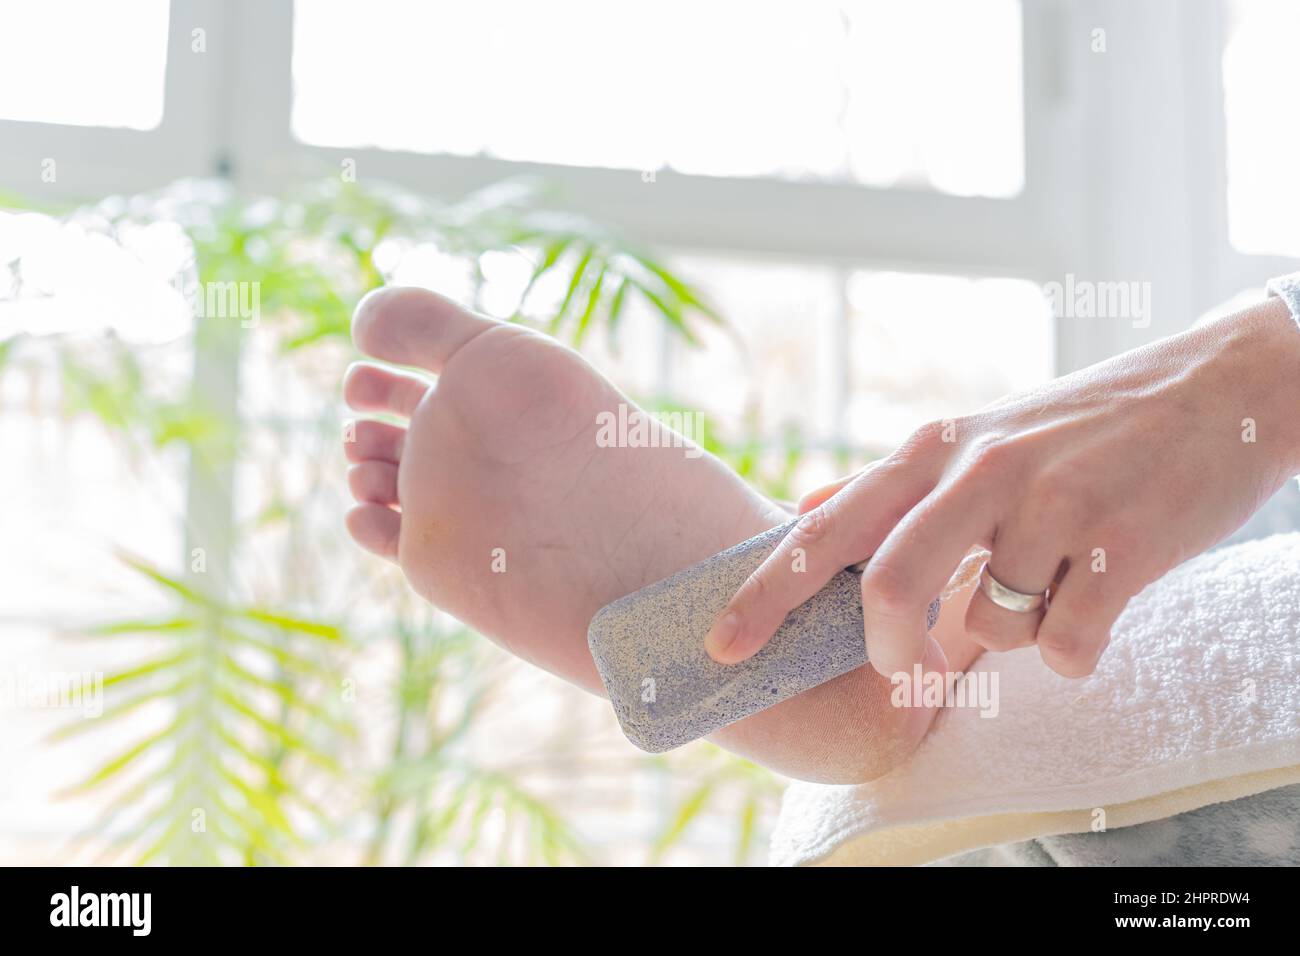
667,691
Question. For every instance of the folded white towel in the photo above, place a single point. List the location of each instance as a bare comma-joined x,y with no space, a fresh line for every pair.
1197,700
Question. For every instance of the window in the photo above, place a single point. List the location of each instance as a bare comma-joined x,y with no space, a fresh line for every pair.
50,51
872,192
793,89
855,360
1263,138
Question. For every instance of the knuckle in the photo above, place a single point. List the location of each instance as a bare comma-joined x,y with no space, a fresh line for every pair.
811,528
832,530
928,435
933,435
991,458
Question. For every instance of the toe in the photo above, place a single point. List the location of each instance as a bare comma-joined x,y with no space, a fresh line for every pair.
369,388
414,326
376,529
374,481
373,441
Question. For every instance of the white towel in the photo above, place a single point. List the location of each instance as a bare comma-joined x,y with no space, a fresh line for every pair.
1196,701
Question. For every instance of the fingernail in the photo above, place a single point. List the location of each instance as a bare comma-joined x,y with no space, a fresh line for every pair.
723,634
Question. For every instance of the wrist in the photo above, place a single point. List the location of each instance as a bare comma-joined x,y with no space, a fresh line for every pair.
1273,329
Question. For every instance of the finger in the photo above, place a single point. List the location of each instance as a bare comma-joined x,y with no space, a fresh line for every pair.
374,481
823,493
376,529
1077,626
373,441
369,388
997,629
920,708
1026,560
913,565
413,326
838,533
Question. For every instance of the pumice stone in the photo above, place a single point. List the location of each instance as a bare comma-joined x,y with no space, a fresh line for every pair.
667,691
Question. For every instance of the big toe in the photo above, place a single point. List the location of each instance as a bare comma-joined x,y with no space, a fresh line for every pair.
413,326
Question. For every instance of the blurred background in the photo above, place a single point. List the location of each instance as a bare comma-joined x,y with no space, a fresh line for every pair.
818,223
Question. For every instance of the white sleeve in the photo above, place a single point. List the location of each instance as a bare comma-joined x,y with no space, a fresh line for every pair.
1287,288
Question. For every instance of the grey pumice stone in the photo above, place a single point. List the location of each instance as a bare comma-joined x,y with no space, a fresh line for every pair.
667,691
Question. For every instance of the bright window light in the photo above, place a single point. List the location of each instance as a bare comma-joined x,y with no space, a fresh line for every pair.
927,347
813,90
1263,135
74,277
863,363
83,62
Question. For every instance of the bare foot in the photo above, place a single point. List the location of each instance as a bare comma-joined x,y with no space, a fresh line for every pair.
502,454
502,509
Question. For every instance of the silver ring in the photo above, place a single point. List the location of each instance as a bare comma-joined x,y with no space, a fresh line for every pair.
1005,597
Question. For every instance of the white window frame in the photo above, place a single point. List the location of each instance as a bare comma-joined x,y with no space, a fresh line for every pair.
1151,95
227,111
